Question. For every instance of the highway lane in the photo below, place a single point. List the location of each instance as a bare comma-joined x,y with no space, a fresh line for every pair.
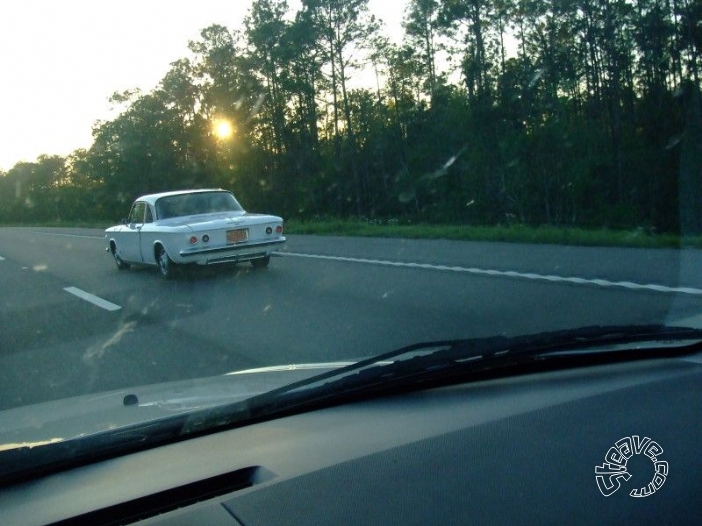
55,344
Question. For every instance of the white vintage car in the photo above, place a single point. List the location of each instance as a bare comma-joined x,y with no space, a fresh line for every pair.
202,227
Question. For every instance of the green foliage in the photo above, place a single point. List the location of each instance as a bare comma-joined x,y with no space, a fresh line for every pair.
592,121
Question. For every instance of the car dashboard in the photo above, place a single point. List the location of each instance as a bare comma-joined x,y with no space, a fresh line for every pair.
515,450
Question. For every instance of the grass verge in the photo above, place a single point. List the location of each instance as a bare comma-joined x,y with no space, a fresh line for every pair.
515,234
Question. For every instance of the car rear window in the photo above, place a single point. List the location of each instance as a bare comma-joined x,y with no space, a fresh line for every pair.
194,204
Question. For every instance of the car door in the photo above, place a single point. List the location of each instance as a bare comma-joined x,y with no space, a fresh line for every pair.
131,243
147,236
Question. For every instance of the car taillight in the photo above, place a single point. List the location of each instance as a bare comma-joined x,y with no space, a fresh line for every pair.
269,230
205,238
193,240
279,229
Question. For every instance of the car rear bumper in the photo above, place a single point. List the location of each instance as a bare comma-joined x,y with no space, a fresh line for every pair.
231,253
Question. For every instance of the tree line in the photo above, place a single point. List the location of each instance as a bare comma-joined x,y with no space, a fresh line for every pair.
562,112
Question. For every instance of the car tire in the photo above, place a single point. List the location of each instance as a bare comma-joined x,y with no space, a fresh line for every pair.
166,266
121,265
261,262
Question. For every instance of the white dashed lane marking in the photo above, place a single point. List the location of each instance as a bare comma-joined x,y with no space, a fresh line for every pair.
507,273
103,304
2,258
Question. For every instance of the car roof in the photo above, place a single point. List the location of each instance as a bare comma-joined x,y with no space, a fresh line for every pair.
152,198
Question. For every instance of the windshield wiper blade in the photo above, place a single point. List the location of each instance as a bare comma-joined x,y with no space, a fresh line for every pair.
26,462
415,366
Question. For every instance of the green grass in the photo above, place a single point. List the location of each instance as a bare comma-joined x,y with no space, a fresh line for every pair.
514,234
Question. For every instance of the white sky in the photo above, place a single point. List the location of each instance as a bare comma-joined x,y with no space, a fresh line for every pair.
60,60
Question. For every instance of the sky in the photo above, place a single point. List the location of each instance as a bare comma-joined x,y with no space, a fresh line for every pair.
60,60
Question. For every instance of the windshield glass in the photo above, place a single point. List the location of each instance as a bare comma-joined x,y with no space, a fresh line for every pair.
412,171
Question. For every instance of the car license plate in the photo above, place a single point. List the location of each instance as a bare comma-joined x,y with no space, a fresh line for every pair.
237,236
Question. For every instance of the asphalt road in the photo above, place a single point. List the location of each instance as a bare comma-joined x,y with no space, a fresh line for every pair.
323,299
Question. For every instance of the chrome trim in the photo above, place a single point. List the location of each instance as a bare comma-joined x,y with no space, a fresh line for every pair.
230,248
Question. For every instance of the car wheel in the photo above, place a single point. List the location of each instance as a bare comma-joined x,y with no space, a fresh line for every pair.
261,262
121,265
166,267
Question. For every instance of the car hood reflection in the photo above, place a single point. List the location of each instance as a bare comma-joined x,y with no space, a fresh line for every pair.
76,417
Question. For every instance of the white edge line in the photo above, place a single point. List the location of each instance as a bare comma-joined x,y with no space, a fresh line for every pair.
99,302
509,273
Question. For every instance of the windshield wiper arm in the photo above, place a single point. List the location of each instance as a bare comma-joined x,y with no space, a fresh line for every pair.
416,366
